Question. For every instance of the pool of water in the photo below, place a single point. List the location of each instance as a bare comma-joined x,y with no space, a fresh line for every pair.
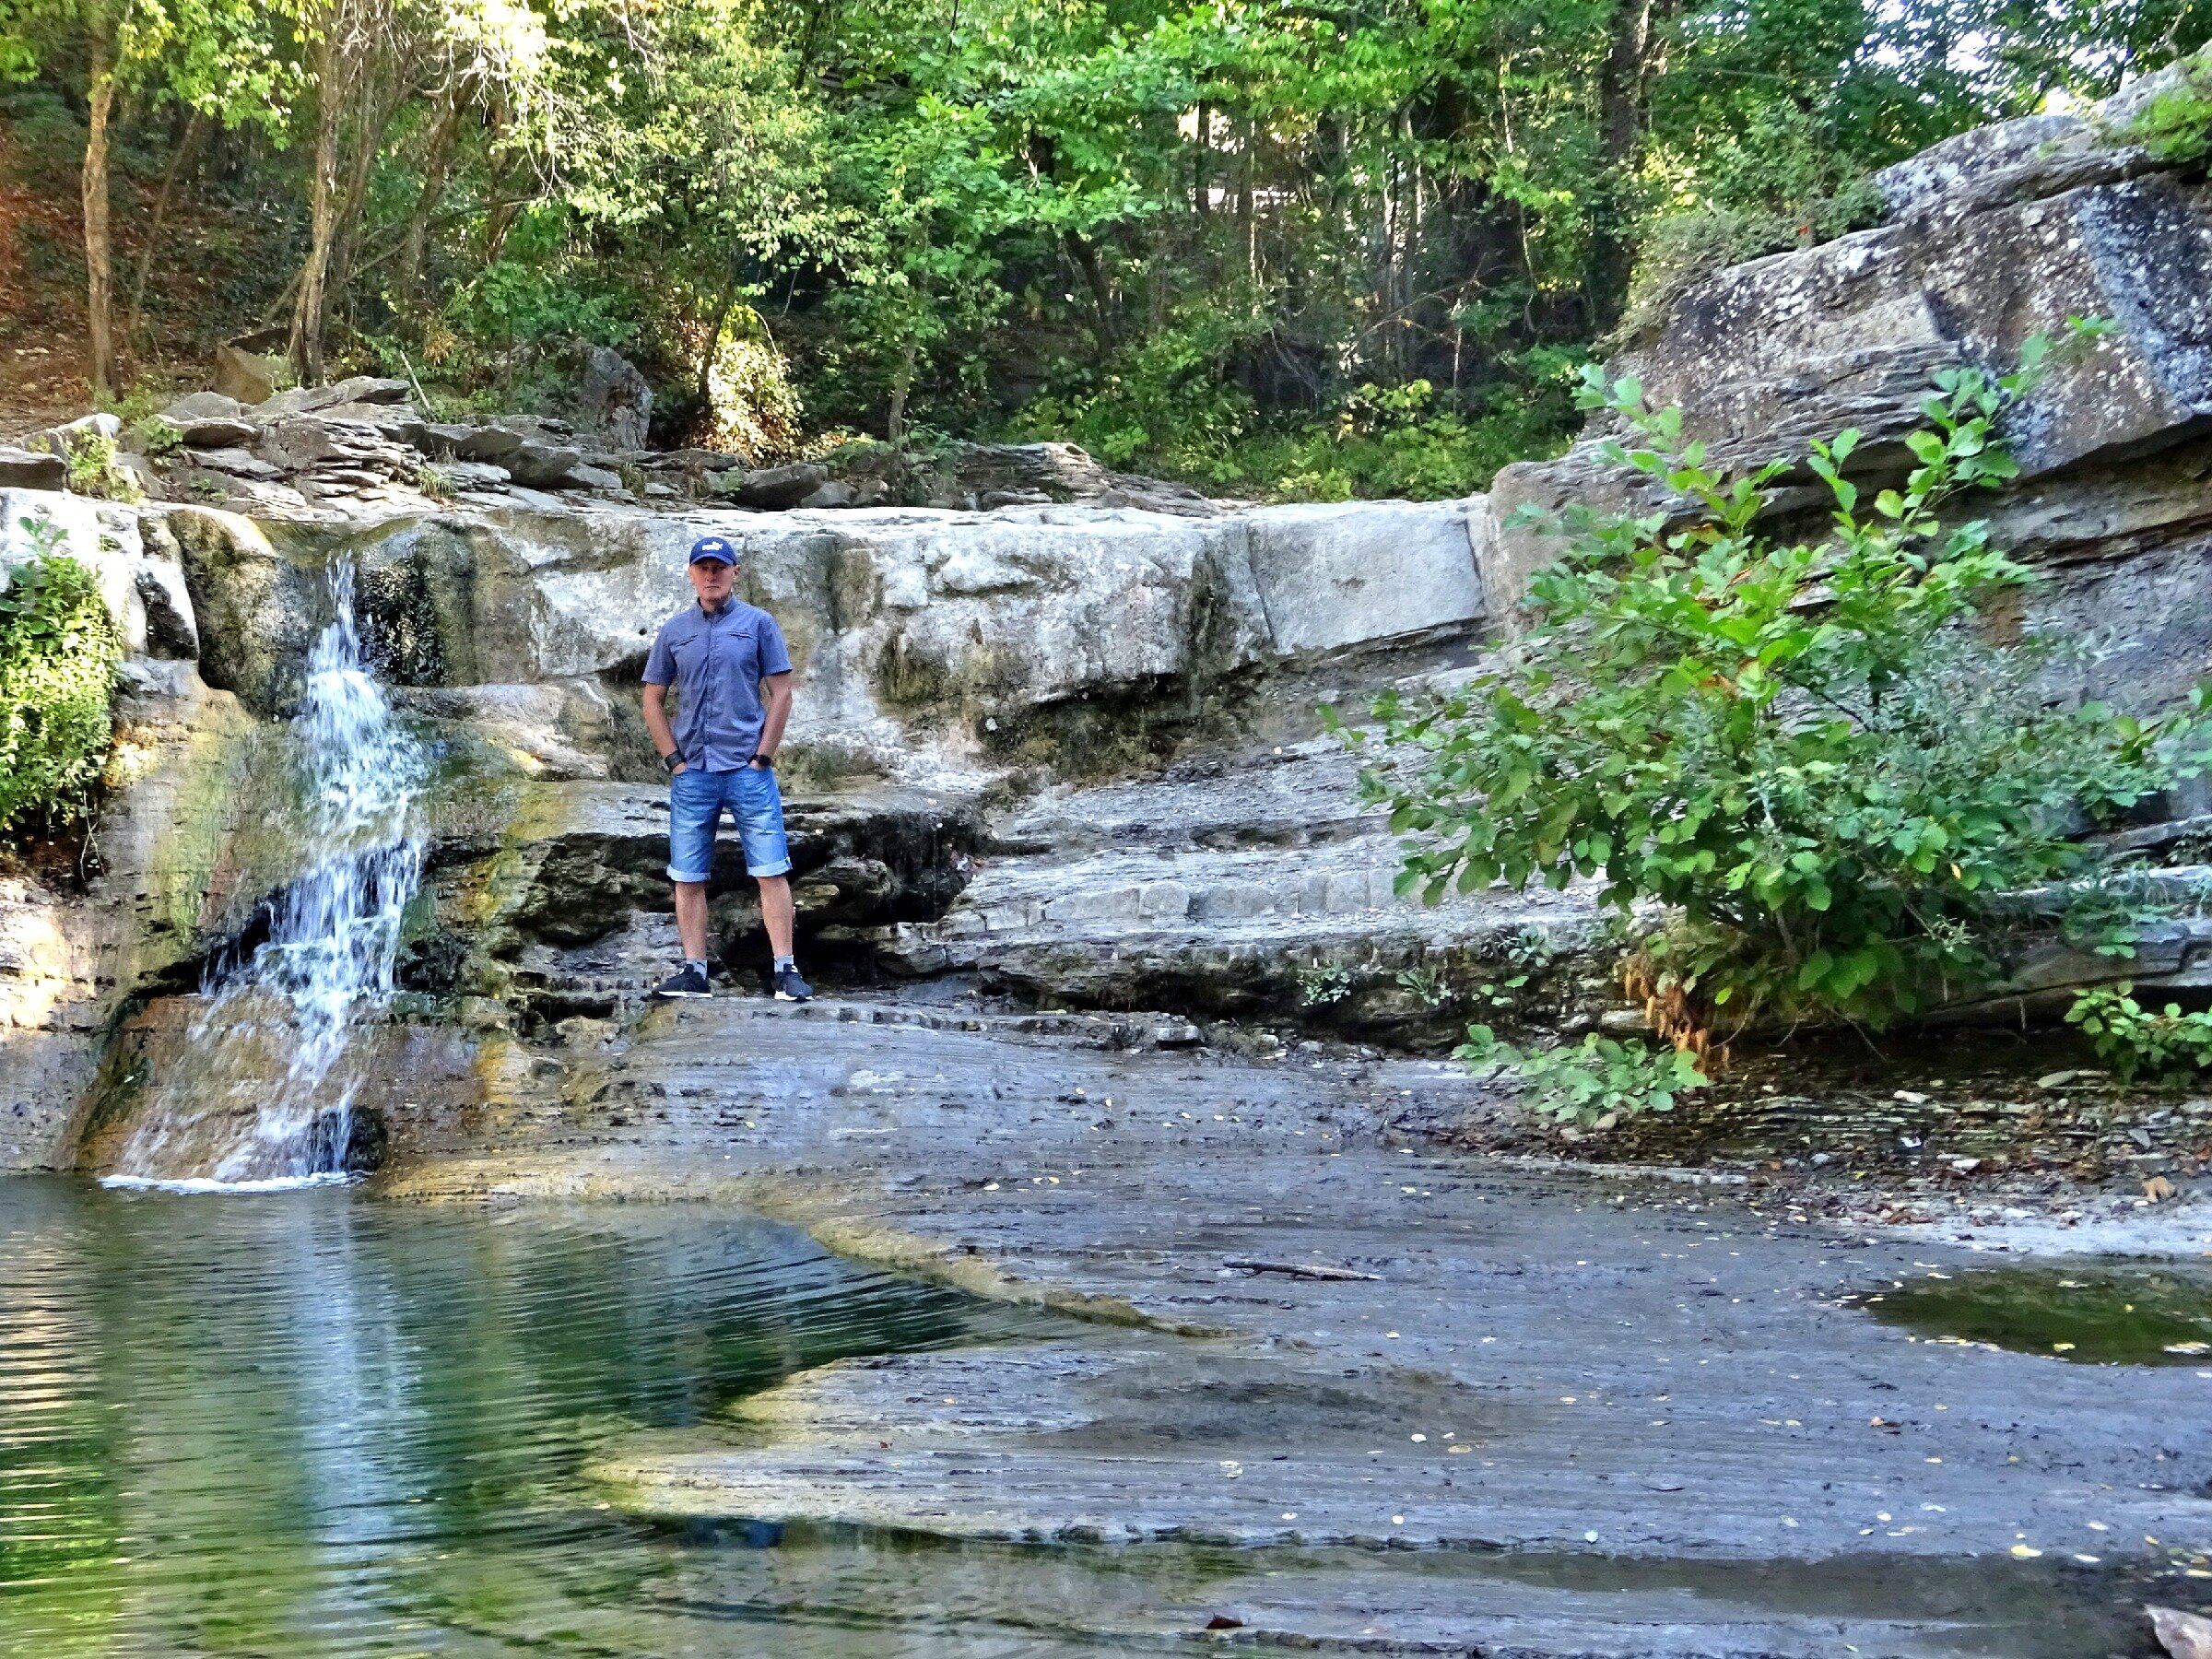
309,1424
2091,1312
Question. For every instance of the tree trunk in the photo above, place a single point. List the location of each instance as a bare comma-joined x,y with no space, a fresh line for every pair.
310,306
1620,132
903,383
100,278
178,161
406,282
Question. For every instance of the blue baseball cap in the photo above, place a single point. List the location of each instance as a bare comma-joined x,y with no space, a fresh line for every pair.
713,550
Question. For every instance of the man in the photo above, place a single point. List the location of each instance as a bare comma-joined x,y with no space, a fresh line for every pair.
731,675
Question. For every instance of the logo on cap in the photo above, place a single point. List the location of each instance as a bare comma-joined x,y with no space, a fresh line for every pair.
713,548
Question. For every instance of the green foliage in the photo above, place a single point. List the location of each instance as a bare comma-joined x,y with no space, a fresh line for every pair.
2176,125
94,471
1426,986
1594,1084
1805,751
2136,1042
1322,983
59,654
160,437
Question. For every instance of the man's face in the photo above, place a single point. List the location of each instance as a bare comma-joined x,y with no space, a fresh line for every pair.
711,581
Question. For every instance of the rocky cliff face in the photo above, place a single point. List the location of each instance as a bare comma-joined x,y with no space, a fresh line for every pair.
988,698
1989,238
1055,738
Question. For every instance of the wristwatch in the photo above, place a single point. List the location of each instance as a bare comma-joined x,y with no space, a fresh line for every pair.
761,759
671,760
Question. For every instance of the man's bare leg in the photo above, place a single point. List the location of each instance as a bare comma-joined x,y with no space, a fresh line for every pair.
691,919
775,913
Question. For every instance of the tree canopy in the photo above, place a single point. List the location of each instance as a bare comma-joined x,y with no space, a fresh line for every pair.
1319,247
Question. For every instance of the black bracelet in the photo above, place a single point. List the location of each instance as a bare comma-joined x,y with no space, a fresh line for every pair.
768,761
671,760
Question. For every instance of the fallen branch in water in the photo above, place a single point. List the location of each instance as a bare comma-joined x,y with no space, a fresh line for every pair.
1303,1270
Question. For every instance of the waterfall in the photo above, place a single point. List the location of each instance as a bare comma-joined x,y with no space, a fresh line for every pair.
266,1098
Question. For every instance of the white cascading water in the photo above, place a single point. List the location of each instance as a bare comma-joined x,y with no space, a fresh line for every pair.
268,1101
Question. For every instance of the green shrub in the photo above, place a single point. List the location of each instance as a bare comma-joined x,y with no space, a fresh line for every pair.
2133,1039
1805,751
59,652
1592,1084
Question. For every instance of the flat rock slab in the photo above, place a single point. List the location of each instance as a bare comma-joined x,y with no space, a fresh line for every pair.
1638,1371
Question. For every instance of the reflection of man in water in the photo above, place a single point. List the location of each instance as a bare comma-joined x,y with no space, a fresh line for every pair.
731,676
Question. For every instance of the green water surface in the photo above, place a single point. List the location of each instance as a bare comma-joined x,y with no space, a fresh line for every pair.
308,1424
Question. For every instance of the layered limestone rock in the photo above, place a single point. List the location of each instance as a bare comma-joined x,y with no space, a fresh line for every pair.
1988,237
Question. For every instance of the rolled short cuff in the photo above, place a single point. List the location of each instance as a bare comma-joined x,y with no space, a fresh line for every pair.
775,866
676,875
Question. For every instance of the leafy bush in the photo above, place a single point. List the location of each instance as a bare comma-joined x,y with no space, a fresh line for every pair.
2132,1039
59,652
1592,1084
1805,751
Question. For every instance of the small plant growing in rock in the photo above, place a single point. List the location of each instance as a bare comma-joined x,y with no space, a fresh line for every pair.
435,482
2137,1041
160,438
2176,125
94,471
1322,983
1425,985
1590,1084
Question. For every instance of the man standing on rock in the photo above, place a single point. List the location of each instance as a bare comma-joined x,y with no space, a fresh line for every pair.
731,675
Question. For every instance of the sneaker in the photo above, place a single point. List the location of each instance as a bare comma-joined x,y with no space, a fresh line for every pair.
790,987
687,980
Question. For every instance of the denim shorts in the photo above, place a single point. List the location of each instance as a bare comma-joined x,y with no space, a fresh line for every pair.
695,798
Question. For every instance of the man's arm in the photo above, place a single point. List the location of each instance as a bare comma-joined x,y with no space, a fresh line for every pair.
656,722
776,698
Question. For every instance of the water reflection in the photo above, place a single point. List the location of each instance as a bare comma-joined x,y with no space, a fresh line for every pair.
311,1425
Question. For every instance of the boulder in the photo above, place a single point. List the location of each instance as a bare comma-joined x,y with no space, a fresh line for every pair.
246,377
1351,573
360,389
486,443
539,465
31,469
1991,237
298,442
773,488
835,493
612,400
593,477
209,420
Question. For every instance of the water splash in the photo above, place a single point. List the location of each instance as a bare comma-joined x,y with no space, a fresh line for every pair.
269,1097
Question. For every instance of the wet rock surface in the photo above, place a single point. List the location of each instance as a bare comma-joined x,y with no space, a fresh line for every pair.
1618,1375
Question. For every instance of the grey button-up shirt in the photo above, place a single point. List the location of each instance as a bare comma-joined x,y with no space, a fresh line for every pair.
716,661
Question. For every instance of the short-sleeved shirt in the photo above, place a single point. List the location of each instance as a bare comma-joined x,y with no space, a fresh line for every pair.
716,662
